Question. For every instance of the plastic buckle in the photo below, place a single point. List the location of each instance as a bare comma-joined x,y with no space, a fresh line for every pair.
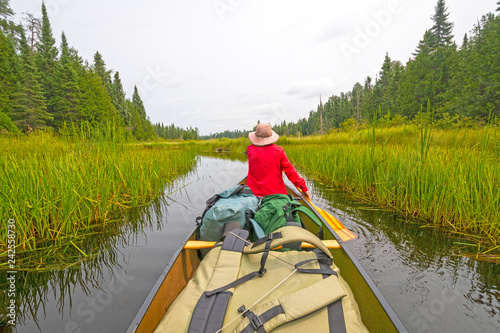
256,322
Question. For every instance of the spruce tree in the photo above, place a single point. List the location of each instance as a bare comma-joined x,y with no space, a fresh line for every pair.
442,28
138,104
425,46
7,26
66,90
29,109
47,62
8,73
100,69
118,98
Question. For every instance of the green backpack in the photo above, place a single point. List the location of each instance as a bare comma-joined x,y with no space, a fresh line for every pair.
279,210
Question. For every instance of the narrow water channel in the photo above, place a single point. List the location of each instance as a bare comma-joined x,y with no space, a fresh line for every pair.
429,286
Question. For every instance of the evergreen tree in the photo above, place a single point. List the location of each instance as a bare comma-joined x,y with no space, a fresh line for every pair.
67,94
29,109
118,98
138,104
7,26
100,69
475,82
8,74
498,8
95,103
46,58
465,42
442,28
425,46
382,83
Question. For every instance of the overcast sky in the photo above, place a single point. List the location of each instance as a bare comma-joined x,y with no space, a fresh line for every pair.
224,64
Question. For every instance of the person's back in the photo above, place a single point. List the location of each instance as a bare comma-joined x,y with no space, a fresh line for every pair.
267,161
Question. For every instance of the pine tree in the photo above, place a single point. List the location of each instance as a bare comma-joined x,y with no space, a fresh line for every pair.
67,94
465,42
100,69
8,75
442,28
7,26
29,109
96,106
118,98
47,62
425,46
498,8
138,104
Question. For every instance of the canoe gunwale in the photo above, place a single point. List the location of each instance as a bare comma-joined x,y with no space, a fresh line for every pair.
149,299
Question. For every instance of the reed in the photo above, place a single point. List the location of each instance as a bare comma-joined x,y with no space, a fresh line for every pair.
57,188
447,178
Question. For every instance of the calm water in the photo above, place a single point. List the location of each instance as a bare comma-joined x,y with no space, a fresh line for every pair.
417,270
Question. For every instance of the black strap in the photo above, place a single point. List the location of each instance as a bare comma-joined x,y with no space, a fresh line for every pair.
233,284
267,238
324,269
247,277
208,315
257,322
336,320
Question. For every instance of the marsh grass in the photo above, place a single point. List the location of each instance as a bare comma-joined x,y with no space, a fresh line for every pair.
58,189
450,179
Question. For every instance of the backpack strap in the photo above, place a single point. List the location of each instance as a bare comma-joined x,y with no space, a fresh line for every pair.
284,236
210,310
290,307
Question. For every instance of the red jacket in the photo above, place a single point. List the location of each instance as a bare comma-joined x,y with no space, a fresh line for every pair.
265,167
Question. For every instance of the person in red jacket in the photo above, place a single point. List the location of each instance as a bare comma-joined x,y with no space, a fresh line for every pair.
267,161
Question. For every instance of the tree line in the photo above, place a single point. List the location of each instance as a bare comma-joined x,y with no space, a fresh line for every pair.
457,81
45,86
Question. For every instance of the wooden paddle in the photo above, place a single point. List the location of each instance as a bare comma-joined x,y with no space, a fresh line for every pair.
197,245
344,233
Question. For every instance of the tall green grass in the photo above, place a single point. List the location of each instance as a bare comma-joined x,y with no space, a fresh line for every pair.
59,188
448,178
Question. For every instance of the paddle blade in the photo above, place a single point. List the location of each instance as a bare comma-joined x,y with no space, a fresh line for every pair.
344,233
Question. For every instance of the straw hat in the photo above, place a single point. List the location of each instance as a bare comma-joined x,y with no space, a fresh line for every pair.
263,135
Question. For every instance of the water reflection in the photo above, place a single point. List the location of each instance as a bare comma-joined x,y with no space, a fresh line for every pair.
103,291
420,271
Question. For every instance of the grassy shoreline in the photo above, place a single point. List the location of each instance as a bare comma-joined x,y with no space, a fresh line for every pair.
447,178
57,190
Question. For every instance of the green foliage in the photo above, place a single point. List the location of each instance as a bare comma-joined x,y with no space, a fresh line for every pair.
448,178
461,84
62,188
42,86
442,29
6,124
175,133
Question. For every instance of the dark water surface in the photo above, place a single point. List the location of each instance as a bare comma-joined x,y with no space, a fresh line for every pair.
429,286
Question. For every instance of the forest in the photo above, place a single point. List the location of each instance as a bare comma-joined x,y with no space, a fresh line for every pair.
43,86
460,82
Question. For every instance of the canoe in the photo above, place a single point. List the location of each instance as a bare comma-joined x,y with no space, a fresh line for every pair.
376,313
